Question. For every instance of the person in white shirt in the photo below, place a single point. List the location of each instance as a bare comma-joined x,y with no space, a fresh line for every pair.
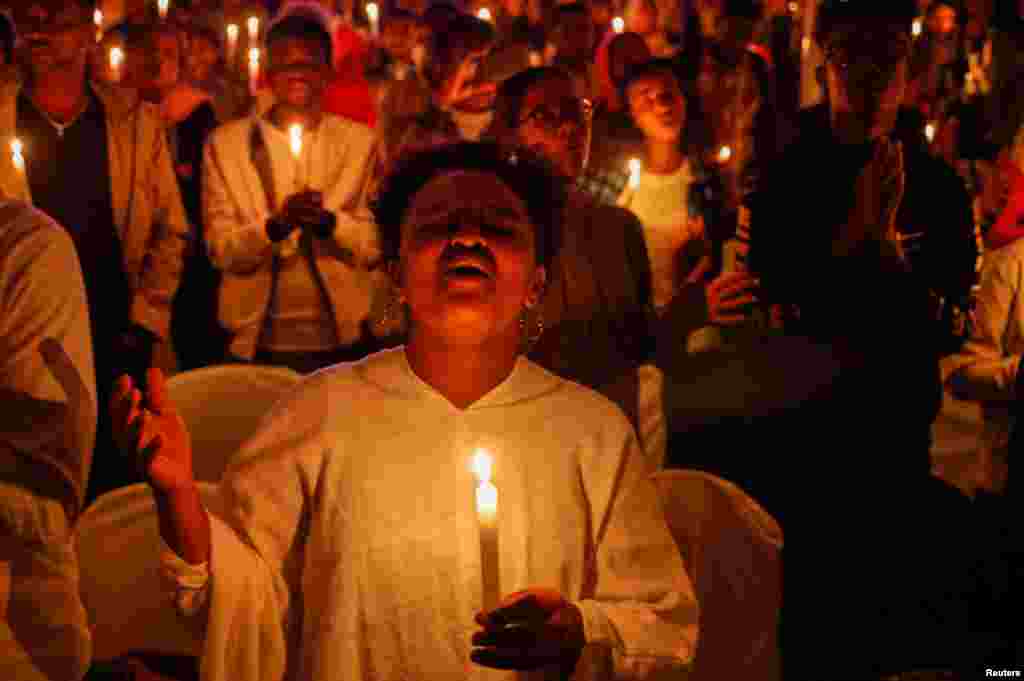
286,216
47,429
349,546
669,194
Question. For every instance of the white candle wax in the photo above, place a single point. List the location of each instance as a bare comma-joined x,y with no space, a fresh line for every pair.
487,519
18,155
295,133
254,69
636,167
162,6
929,132
254,29
917,27
373,15
116,64
618,24
97,20
232,46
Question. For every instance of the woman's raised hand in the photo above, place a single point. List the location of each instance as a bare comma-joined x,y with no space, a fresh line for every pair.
152,433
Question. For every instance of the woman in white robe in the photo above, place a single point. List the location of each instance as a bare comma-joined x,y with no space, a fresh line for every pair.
348,547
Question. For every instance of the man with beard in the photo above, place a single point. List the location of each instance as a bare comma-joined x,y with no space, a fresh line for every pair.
97,161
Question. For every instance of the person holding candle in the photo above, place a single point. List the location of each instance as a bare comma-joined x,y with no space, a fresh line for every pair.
97,161
351,545
290,233
679,204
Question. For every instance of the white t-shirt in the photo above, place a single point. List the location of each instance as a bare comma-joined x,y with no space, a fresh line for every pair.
661,204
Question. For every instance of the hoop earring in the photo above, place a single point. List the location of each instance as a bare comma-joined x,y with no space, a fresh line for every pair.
530,332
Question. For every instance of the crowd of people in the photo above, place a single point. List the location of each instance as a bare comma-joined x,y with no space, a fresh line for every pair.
770,241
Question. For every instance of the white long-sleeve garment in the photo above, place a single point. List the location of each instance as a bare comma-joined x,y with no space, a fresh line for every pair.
349,549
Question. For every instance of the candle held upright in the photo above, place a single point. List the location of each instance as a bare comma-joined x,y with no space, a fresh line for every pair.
116,64
253,24
254,70
232,47
487,519
618,24
162,7
18,155
373,16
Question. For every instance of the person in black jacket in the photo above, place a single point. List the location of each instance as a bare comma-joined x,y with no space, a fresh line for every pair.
155,59
825,419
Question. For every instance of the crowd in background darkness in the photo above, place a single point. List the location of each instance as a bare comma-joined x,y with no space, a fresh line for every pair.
787,247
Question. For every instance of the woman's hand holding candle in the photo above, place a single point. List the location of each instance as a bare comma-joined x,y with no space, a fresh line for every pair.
528,630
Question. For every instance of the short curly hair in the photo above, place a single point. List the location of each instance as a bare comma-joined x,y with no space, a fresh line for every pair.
526,174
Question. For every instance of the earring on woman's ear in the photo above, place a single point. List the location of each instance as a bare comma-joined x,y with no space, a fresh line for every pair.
531,329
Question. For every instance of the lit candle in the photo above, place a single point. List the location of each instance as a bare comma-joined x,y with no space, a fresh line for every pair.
116,64
487,517
97,19
232,31
485,14
805,44
373,15
724,154
254,69
18,155
162,6
536,58
794,7
618,24
636,167
254,29
929,132
917,27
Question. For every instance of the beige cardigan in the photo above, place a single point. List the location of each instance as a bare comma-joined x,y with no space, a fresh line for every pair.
148,213
235,212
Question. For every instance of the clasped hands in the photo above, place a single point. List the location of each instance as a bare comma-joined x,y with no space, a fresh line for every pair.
303,210
528,630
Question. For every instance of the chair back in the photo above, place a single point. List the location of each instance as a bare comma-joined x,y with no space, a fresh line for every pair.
222,407
731,547
128,603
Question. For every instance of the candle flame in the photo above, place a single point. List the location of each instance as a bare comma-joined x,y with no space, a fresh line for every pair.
929,132
372,12
97,18
254,57
618,24
794,7
483,466
724,154
162,6
917,27
295,138
484,14
116,57
806,44
254,27
232,30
